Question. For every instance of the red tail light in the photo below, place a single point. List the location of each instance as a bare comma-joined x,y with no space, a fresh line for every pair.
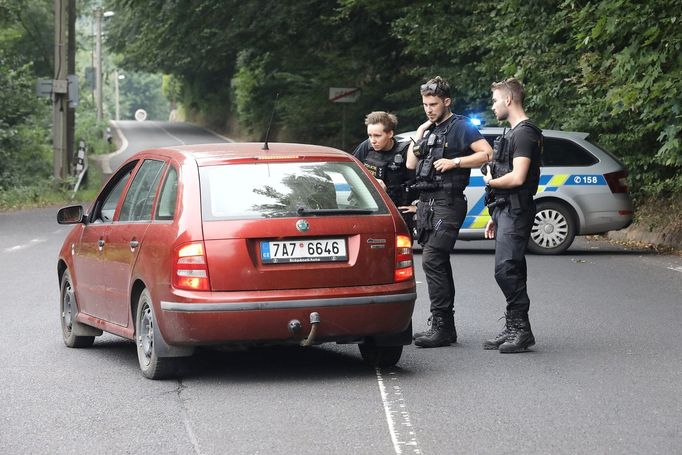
618,182
190,270
404,269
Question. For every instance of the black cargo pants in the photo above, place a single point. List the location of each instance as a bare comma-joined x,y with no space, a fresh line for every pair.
513,223
437,242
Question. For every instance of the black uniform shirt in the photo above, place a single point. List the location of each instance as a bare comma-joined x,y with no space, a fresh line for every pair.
525,140
461,133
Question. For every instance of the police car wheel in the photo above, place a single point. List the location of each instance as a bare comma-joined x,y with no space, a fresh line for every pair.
553,229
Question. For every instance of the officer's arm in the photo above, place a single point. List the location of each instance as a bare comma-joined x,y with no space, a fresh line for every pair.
412,160
482,153
513,179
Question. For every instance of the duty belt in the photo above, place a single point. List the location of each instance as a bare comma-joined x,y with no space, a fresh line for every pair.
517,200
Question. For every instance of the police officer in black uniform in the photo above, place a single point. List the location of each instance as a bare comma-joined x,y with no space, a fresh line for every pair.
448,146
386,158
513,179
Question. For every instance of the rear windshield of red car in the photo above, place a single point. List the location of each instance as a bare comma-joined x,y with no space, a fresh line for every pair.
287,189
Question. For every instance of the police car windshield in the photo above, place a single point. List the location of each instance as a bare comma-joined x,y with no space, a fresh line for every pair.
287,189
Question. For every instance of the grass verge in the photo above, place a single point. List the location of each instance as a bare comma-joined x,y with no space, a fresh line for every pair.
50,192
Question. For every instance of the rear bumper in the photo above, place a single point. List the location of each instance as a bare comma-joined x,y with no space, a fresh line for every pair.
291,304
266,321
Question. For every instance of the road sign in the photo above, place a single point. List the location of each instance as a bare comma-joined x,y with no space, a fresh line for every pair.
343,95
140,115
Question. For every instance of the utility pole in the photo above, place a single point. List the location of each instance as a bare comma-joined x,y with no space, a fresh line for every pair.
71,57
98,63
60,92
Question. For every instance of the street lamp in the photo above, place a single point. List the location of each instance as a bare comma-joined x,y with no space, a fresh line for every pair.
117,77
98,58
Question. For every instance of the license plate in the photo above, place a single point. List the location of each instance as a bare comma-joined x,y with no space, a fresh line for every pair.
319,250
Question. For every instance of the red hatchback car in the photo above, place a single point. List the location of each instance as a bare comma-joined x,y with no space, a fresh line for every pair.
230,244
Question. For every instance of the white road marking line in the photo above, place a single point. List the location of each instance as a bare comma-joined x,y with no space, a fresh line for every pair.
676,269
24,245
397,416
186,420
171,135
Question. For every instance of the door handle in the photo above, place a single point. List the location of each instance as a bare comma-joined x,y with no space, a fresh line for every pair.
134,244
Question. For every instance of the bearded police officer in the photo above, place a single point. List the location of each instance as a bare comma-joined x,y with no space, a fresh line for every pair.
513,179
447,147
385,158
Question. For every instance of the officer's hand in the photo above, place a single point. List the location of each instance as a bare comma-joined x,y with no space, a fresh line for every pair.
490,230
408,209
423,127
443,165
488,175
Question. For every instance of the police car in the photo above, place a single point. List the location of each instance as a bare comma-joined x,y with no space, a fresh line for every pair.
583,190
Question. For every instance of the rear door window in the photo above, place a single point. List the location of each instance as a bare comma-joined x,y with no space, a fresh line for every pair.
287,189
562,152
166,207
139,201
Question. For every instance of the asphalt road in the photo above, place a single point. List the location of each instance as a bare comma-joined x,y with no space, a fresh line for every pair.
604,377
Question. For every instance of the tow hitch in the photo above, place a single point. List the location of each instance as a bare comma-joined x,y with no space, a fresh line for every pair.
314,321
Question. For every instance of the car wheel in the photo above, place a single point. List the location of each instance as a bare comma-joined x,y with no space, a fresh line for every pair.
152,366
553,229
380,356
69,310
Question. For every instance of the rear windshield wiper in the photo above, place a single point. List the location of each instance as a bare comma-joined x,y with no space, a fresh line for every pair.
304,211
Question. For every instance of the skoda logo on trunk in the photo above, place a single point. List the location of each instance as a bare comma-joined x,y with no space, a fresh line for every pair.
302,225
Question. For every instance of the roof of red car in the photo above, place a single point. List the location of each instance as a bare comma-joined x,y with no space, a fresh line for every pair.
206,154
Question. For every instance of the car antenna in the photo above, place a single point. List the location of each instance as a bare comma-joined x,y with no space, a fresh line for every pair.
267,133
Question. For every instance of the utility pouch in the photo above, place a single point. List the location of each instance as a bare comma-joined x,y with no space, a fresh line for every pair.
424,220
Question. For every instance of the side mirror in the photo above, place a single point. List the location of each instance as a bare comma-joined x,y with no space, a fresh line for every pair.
72,214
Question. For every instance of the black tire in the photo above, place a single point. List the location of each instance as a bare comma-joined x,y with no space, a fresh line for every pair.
380,356
69,309
152,366
553,229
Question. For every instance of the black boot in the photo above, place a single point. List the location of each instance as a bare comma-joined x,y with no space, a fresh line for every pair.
520,337
440,334
430,330
494,343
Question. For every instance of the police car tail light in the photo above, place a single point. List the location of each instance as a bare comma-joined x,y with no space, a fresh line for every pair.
190,271
618,182
404,269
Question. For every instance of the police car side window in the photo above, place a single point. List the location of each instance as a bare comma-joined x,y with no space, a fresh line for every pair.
562,152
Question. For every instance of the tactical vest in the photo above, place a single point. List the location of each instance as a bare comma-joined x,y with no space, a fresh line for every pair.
389,167
434,147
503,163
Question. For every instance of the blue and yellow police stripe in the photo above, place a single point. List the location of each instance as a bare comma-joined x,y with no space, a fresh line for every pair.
478,216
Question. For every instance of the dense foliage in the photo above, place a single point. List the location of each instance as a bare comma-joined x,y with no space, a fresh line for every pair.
26,55
24,129
611,68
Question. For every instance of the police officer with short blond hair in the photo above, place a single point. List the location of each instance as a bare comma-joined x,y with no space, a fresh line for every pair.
446,149
513,178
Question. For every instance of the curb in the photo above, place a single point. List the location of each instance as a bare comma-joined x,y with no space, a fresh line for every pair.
643,234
